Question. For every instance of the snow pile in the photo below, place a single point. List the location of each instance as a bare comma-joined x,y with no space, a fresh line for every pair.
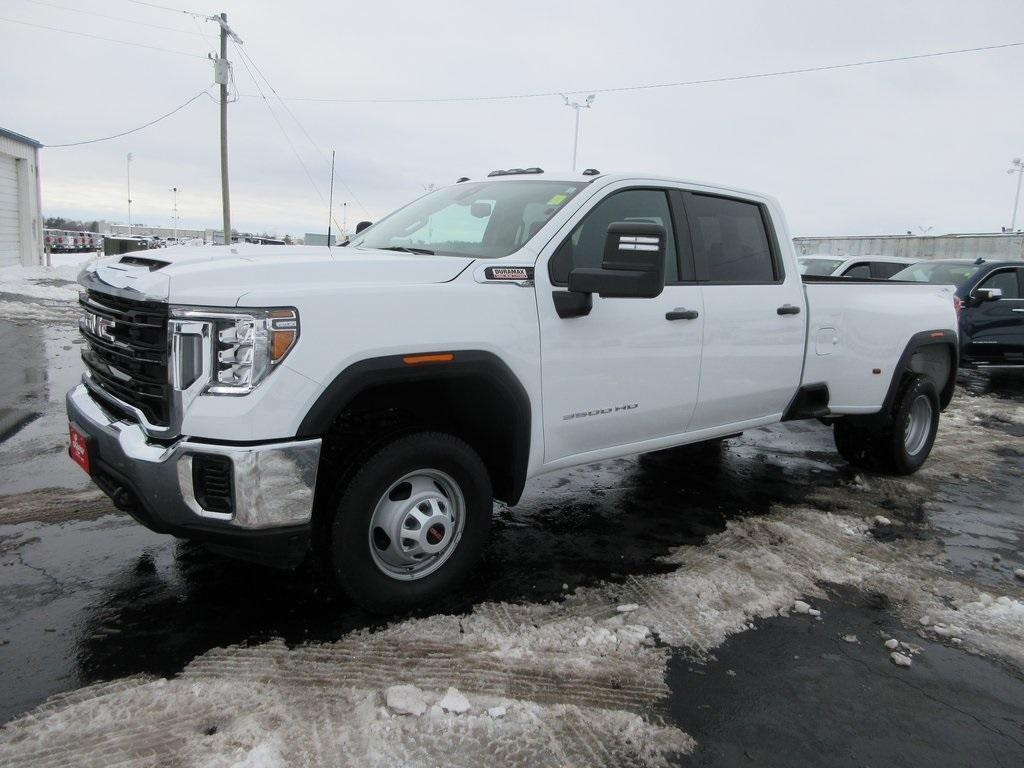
438,690
39,294
56,283
575,682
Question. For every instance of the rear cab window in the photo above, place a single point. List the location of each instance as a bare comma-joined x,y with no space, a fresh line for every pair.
732,240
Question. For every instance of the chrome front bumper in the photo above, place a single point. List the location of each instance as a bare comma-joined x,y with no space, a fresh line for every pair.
273,483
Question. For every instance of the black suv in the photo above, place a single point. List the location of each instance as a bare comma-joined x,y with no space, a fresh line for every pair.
990,305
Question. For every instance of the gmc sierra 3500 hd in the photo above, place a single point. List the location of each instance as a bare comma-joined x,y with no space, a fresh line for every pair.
365,404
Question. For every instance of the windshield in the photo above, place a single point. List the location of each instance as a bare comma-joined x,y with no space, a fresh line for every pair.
818,266
485,219
937,273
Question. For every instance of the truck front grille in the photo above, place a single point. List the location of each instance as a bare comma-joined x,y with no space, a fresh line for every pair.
127,351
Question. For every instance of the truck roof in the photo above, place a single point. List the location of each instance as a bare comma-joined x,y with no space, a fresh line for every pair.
591,174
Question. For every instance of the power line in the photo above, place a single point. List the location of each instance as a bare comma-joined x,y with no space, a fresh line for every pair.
652,86
162,7
242,57
113,18
99,37
302,128
133,130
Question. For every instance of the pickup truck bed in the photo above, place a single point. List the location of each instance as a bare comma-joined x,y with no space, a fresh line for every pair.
858,331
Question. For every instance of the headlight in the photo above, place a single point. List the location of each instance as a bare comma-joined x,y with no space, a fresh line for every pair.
246,345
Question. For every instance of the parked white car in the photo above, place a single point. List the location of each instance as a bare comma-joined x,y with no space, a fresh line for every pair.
366,403
874,267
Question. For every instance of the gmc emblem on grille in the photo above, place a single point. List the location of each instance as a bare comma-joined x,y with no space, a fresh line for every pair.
99,326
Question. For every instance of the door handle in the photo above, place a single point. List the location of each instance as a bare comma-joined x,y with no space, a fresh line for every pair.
682,314
788,309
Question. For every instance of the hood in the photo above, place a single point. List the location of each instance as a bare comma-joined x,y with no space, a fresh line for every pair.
219,276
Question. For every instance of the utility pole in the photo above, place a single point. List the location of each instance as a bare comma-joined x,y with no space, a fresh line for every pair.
129,164
576,135
222,75
1018,168
175,191
224,193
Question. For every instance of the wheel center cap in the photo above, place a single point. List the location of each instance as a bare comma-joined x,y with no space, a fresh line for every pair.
435,533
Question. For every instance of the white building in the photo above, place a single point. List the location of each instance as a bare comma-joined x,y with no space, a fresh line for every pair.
988,245
21,226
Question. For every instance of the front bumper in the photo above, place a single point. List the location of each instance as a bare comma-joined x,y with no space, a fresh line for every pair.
272,485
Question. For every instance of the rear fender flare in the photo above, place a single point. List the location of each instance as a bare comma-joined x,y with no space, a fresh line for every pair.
919,341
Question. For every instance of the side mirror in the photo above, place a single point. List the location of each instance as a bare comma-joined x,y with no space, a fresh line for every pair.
633,264
480,210
363,225
989,294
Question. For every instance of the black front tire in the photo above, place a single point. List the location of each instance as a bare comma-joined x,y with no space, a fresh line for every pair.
352,563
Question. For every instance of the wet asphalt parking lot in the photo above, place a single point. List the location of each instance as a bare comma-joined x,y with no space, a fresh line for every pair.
87,595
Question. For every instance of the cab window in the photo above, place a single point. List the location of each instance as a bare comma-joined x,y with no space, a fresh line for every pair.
733,240
585,246
861,270
1005,280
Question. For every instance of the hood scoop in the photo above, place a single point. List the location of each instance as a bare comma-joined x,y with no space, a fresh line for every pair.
141,261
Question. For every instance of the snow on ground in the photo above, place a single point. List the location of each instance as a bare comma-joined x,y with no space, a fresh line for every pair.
40,294
580,680
574,682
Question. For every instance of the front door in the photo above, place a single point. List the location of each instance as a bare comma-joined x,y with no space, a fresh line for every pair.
628,371
995,329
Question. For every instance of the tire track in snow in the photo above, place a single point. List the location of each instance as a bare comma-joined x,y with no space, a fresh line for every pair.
581,682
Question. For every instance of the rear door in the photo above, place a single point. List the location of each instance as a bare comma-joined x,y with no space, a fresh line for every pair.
627,371
754,312
995,329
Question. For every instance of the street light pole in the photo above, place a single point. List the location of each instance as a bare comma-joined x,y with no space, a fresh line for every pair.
129,164
577,106
1018,168
175,191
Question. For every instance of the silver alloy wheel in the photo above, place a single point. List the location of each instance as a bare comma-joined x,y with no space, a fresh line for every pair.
919,425
417,524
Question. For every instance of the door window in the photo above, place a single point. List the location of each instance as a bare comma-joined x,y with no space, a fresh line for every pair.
733,238
883,270
1006,281
861,270
585,246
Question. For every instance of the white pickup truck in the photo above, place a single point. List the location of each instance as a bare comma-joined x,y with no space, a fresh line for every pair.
366,403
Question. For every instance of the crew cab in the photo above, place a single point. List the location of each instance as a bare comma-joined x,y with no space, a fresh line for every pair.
365,404
990,307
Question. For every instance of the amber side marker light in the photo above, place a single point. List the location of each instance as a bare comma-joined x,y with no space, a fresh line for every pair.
284,330
937,334
444,357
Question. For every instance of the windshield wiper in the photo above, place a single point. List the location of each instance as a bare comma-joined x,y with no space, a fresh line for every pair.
407,249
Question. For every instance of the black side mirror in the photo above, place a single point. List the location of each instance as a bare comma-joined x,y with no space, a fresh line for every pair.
363,225
633,264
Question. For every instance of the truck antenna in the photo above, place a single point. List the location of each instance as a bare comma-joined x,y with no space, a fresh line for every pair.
330,205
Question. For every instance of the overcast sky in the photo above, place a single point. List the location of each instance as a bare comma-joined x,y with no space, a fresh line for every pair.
878,149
